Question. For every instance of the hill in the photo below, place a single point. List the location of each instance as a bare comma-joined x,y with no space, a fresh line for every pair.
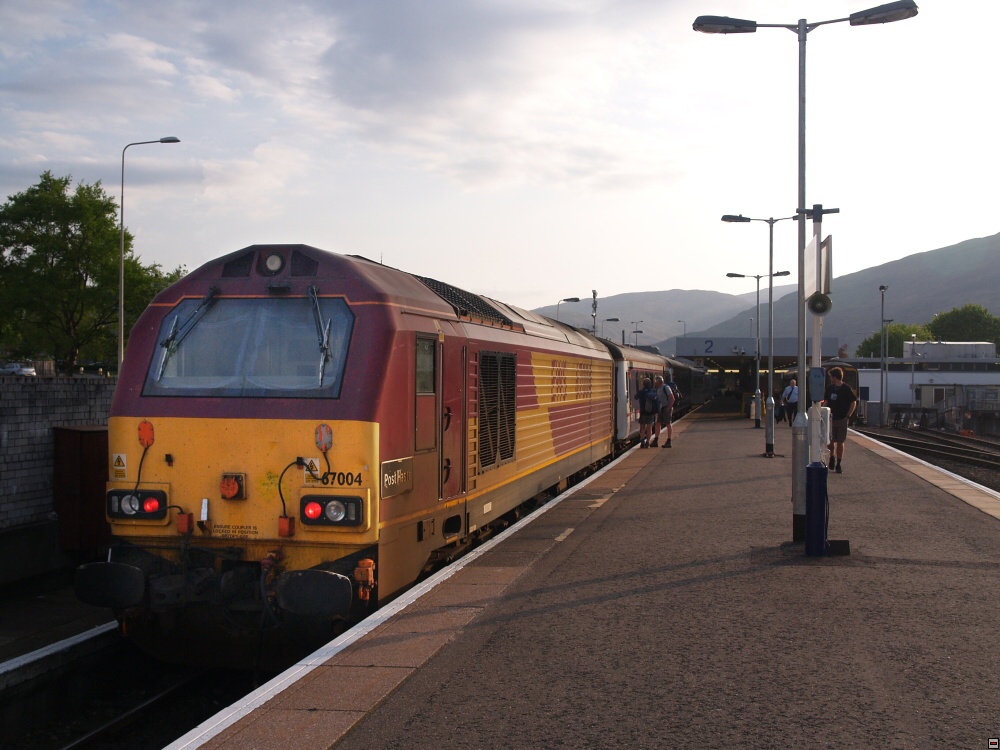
920,285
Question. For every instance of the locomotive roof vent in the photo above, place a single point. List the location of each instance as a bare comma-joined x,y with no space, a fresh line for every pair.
465,303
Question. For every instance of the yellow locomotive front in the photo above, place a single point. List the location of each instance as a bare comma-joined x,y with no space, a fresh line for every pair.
244,478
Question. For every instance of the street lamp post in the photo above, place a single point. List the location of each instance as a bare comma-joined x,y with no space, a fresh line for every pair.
607,320
913,370
882,412
769,402
770,383
685,327
635,332
894,11
567,299
121,259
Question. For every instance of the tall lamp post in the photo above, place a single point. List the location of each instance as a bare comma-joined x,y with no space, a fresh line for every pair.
635,330
607,320
895,11
769,449
882,412
121,259
769,403
913,370
685,327
567,299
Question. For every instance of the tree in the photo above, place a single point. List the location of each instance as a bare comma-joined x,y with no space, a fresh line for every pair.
896,334
59,256
966,323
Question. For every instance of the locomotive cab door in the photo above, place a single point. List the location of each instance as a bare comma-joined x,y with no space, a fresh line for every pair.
453,417
440,415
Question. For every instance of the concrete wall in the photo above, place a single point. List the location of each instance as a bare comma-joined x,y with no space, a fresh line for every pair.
29,409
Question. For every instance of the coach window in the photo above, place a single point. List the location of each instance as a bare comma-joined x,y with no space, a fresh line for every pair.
425,387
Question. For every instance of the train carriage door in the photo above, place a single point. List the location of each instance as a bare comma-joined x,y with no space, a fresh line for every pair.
452,388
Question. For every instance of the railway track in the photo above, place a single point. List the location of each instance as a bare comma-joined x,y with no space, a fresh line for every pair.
933,446
118,697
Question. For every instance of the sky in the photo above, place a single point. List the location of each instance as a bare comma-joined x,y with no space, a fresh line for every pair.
525,150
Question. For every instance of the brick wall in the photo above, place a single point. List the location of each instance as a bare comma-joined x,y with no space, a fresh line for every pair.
29,409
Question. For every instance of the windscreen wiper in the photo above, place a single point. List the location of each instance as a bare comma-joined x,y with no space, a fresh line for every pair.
179,332
322,332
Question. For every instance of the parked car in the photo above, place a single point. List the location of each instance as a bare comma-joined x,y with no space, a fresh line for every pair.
17,368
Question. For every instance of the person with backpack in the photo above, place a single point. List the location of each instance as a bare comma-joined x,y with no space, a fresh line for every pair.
649,408
665,395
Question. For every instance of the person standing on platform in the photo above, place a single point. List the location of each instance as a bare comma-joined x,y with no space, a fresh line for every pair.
842,402
665,395
649,408
790,400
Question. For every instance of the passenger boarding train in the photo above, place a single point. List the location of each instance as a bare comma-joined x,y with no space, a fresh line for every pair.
297,435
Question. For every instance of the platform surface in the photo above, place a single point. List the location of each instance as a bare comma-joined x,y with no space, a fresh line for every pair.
664,606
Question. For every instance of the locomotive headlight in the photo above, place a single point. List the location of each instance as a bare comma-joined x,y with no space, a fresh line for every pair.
130,505
141,505
331,511
274,262
335,511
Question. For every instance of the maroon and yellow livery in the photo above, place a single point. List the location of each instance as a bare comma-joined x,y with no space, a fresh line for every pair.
296,434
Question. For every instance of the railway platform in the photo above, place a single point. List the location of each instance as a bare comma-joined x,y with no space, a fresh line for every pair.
663,605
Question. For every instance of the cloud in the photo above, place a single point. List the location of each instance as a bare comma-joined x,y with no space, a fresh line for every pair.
258,187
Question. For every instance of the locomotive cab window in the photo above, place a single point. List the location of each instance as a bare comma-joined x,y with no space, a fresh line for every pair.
290,347
425,366
425,382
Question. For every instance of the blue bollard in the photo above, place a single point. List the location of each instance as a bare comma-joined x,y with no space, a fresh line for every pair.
817,510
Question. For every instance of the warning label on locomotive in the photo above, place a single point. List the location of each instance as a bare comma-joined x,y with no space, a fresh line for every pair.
311,473
235,531
119,466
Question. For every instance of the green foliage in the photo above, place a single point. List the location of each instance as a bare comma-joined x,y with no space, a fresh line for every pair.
896,334
59,265
966,323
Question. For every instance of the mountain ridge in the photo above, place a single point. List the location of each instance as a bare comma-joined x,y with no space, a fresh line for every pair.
920,285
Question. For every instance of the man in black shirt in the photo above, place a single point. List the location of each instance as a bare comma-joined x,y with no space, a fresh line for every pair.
842,402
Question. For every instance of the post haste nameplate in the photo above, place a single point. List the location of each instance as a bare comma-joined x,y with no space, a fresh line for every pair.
397,476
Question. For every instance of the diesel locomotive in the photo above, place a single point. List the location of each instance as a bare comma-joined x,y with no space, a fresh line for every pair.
297,435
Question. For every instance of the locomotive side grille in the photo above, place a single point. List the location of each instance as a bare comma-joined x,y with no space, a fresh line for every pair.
238,267
465,303
497,388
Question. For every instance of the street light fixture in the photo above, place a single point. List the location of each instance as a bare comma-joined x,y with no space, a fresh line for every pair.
607,320
121,259
685,327
895,11
568,299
